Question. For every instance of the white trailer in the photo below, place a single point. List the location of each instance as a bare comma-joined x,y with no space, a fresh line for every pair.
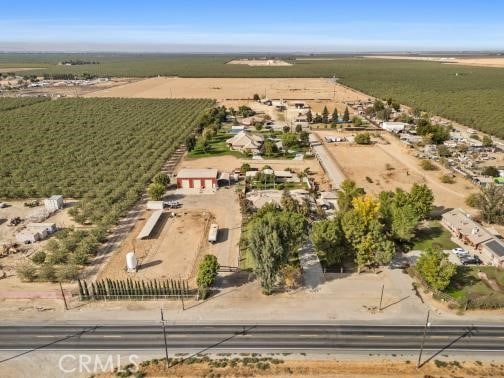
155,205
212,233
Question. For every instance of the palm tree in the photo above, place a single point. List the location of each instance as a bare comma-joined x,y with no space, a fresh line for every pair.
347,192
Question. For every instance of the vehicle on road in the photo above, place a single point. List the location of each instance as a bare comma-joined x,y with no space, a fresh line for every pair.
460,252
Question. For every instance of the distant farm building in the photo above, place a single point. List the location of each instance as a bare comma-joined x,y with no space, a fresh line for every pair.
393,127
197,180
54,203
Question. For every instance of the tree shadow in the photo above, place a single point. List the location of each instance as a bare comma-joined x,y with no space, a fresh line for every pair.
149,264
394,303
243,332
80,333
223,235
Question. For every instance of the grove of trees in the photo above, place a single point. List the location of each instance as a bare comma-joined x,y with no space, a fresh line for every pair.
100,151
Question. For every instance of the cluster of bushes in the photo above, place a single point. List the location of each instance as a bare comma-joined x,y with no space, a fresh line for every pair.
62,256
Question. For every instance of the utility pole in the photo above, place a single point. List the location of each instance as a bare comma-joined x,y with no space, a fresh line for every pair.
381,297
63,296
427,324
164,337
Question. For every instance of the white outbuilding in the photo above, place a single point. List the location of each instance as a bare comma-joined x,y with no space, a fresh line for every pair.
54,203
393,127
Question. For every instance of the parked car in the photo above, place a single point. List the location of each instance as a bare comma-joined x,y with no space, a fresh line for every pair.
470,260
460,251
399,264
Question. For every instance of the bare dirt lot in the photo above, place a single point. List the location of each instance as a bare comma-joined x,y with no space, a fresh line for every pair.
482,62
260,62
389,166
232,92
16,69
169,253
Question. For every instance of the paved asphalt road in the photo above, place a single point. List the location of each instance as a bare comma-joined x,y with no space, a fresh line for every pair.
208,338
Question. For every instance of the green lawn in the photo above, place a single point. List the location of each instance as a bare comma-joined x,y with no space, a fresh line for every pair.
467,285
433,235
246,260
218,147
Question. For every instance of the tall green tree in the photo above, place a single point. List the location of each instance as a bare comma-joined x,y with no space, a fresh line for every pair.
347,192
346,115
329,241
490,202
334,117
207,272
271,236
325,115
434,267
422,199
309,116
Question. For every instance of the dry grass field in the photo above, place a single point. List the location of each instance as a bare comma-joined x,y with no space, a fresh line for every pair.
389,166
170,253
291,367
233,92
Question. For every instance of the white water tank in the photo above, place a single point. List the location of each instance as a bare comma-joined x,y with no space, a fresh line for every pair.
131,262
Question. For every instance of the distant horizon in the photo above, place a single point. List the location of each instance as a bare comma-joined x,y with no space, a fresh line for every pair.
223,26
497,52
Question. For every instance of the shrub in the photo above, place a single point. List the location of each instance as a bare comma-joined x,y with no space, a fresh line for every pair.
26,271
58,257
490,171
427,165
79,258
156,191
67,272
161,178
47,273
363,138
447,179
39,257
472,200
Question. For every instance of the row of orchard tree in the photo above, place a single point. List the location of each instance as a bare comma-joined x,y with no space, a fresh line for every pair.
134,289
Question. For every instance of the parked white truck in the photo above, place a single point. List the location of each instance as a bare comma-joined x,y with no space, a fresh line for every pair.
212,233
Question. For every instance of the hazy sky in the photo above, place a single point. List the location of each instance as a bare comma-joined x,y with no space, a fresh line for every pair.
254,25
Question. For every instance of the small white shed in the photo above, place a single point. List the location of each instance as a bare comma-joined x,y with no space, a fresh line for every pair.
54,203
27,236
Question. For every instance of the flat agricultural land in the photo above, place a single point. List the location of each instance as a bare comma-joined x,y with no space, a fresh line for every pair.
171,252
494,61
232,92
470,95
382,167
101,151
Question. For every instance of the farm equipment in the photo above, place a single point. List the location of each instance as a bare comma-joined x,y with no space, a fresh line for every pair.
15,221
9,249
33,203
